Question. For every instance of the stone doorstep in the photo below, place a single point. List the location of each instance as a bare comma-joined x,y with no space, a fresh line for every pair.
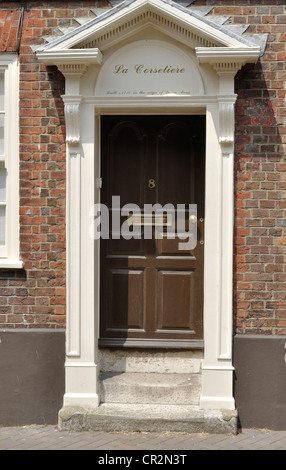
146,388
142,361
148,402
147,418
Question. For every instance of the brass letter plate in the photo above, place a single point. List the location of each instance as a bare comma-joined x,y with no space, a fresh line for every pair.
160,220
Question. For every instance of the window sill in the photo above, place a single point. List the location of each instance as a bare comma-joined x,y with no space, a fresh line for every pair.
11,264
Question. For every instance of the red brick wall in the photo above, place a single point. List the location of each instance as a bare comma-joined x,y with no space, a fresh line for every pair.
36,296
260,173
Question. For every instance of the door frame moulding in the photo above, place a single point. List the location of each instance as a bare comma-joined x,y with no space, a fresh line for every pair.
73,57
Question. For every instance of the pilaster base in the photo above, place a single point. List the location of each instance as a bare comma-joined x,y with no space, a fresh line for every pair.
217,388
81,385
91,400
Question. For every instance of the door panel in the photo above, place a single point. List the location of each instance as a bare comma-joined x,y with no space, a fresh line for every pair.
152,291
175,165
175,311
125,158
123,307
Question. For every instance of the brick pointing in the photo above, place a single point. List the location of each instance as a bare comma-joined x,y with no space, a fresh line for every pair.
260,179
36,297
260,276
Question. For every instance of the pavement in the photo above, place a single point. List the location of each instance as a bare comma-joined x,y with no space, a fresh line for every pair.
50,438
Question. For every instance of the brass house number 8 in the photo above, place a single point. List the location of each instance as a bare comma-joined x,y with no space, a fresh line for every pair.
151,183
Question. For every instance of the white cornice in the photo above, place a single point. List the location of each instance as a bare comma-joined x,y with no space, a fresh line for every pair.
241,55
70,56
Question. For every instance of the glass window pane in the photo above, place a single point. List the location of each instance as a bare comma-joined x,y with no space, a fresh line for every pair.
2,92
2,117
2,182
2,225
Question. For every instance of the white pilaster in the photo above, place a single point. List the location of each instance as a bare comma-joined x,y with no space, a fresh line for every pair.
81,336
82,324
217,375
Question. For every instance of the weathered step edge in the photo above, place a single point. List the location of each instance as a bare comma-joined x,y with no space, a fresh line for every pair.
161,389
148,418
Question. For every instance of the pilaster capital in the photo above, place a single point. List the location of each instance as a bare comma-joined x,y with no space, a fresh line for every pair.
73,63
224,67
73,69
227,61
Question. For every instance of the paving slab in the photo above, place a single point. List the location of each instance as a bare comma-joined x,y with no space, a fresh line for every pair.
50,438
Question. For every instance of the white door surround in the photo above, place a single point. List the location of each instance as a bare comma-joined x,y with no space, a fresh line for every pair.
107,71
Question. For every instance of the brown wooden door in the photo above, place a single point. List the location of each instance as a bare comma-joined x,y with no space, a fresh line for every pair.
152,292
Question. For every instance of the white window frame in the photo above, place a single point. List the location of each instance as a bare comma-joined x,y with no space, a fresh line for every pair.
10,254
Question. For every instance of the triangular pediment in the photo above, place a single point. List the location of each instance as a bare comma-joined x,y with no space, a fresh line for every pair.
131,16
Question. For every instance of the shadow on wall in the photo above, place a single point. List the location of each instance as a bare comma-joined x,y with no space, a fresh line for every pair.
259,250
259,254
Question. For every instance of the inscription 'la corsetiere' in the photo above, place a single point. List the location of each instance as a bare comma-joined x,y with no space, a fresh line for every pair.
141,68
